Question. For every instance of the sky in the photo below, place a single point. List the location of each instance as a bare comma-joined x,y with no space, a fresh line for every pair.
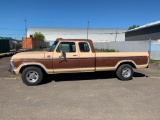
74,14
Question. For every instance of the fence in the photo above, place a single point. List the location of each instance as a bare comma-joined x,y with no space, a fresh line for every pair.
37,45
154,50
153,47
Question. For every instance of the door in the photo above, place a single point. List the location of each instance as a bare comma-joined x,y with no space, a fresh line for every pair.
66,58
48,62
87,57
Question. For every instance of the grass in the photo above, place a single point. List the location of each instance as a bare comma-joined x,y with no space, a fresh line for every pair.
106,50
154,61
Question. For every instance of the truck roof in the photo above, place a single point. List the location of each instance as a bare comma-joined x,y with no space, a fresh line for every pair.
60,39
86,40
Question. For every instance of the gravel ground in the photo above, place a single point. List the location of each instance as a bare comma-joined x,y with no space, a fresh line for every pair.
86,96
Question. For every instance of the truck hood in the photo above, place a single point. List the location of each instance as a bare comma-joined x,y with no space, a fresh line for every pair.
27,55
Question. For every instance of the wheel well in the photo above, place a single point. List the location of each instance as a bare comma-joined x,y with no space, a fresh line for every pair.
129,63
21,70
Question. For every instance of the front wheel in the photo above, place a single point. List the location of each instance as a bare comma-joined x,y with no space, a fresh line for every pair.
125,72
32,76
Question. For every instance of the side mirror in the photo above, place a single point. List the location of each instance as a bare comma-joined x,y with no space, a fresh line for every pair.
63,56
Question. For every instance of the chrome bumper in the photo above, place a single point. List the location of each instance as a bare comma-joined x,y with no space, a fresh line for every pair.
11,68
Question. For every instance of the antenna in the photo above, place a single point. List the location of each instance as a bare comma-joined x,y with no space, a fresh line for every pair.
87,28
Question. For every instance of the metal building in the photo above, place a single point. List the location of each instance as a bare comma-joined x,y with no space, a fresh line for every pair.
97,34
4,44
145,32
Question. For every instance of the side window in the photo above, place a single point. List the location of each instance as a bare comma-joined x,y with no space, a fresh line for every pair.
84,47
66,47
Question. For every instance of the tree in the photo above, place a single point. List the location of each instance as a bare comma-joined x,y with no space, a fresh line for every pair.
132,27
39,35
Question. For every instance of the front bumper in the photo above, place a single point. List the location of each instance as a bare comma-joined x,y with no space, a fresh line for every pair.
11,68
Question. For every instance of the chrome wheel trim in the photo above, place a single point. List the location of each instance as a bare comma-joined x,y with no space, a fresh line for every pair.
126,72
32,76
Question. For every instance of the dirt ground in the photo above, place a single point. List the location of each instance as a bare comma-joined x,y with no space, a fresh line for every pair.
85,96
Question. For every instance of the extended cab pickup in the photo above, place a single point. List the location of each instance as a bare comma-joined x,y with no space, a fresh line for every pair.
73,56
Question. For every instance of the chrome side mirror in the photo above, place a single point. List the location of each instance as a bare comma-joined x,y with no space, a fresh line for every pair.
63,56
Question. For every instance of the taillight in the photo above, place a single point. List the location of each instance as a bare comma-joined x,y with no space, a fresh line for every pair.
145,56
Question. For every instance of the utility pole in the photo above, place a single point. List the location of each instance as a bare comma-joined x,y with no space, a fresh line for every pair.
87,29
25,22
116,34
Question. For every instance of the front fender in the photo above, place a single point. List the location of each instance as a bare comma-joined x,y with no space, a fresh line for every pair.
18,69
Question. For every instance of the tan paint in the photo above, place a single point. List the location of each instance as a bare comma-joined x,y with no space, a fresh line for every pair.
69,65
123,61
114,67
121,54
48,55
105,68
48,63
92,69
113,61
142,66
87,59
73,70
17,70
28,55
78,61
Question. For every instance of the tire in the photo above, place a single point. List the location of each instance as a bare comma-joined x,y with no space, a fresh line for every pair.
125,72
32,76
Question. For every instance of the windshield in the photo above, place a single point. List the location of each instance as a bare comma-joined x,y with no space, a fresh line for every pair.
53,46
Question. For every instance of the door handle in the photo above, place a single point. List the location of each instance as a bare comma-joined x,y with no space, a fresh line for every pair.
74,55
48,56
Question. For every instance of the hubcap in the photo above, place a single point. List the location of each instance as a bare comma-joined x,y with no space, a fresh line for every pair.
126,72
32,76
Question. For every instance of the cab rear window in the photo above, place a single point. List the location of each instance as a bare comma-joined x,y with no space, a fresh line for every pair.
84,47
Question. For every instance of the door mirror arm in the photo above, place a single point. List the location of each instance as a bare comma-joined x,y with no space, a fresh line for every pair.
63,56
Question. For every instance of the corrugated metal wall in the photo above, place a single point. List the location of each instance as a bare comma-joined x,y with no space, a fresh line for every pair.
143,34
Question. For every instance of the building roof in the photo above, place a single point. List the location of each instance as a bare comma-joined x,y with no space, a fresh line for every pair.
6,38
145,26
83,30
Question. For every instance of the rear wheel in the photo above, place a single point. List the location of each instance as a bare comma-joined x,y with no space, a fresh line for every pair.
32,76
125,72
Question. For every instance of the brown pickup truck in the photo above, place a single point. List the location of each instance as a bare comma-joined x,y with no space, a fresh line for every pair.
73,56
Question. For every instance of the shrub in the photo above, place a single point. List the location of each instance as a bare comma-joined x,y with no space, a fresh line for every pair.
106,50
39,35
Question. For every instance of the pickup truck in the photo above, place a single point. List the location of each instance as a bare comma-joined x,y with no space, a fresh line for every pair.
74,56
